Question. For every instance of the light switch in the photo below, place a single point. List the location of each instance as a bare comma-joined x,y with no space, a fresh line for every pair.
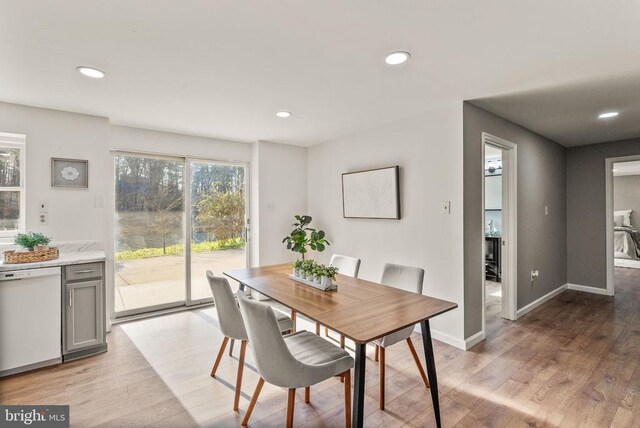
446,207
99,201
546,210
43,206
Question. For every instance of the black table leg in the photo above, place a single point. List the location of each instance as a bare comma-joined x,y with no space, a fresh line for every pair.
431,369
357,414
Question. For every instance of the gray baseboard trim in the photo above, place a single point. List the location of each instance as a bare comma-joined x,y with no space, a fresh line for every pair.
587,289
85,353
531,306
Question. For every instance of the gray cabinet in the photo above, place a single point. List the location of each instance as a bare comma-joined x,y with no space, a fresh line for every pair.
83,310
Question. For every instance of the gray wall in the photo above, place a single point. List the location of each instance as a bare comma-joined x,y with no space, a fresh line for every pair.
586,231
542,240
626,196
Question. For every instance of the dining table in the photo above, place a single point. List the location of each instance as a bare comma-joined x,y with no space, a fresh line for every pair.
361,310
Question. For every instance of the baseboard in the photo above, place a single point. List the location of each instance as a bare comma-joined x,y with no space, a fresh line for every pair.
531,306
473,340
587,289
626,263
443,337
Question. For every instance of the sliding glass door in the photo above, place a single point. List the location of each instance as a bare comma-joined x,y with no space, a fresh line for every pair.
218,222
174,219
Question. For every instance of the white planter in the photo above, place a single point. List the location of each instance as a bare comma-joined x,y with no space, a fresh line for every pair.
326,281
317,279
303,275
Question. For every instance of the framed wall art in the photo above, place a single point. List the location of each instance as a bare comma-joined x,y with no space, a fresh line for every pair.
73,173
373,193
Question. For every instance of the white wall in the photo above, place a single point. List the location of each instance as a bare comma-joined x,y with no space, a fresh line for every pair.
74,214
428,149
280,193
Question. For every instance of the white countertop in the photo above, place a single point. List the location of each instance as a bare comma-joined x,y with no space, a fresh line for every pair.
66,258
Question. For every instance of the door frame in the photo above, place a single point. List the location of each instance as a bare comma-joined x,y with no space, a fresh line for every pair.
509,226
609,162
178,305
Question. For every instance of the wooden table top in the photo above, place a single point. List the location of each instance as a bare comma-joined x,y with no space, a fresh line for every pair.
360,310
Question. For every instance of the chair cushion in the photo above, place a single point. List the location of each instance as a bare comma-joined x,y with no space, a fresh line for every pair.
284,322
322,360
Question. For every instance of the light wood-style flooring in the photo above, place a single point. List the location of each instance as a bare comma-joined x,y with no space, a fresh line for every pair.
574,361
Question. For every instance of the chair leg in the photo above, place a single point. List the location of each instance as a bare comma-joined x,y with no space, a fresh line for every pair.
293,318
290,404
381,378
233,341
252,403
219,357
326,331
418,363
347,398
342,341
307,394
236,400
318,328
375,356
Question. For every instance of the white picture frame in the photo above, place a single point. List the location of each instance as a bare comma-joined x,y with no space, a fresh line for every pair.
372,194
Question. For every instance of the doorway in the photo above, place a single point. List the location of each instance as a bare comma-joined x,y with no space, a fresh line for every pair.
499,226
623,220
175,218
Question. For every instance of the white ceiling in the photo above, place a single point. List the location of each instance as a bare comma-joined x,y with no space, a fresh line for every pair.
626,168
223,68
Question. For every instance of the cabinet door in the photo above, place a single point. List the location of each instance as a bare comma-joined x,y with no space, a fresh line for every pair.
84,327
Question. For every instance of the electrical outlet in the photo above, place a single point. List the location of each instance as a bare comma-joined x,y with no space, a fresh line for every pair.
43,218
43,206
446,207
535,274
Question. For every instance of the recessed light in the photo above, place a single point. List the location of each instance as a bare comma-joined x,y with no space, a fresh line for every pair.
91,72
397,58
608,114
283,114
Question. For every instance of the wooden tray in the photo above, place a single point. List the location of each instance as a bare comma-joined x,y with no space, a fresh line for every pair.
333,286
16,257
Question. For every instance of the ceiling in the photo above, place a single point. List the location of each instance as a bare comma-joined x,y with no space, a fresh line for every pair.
222,69
626,168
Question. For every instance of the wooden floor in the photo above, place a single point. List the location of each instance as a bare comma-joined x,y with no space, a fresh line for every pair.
572,362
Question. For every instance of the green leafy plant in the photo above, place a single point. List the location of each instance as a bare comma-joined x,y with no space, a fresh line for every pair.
30,240
303,237
329,272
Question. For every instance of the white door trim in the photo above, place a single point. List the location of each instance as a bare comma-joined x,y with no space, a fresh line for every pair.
609,214
509,226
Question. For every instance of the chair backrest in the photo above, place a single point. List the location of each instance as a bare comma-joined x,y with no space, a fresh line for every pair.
274,361
229,315
403,277
346,265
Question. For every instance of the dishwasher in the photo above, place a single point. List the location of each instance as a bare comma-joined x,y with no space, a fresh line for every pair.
30,319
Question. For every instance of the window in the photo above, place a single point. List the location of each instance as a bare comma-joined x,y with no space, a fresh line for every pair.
12,173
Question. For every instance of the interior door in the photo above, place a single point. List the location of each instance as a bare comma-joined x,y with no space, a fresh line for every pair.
217,222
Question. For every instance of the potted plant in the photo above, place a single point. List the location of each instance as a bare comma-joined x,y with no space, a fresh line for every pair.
297,267
317,273
32,241
303,237
328,276
306,267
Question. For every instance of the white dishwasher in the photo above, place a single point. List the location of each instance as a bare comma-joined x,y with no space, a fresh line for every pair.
30,319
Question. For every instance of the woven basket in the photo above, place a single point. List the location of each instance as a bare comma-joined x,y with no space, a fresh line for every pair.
14,257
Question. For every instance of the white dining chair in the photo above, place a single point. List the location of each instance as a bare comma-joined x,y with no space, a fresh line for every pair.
408,279
298,360
349,266
232,325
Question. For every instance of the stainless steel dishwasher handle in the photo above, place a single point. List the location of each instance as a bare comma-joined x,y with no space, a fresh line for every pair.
85,271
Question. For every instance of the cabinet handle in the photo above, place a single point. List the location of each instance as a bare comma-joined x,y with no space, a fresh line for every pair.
85,271
70,298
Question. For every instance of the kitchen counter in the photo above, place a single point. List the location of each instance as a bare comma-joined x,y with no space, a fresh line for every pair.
65,259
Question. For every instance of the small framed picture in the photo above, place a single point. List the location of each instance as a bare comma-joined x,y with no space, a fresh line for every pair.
70,173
